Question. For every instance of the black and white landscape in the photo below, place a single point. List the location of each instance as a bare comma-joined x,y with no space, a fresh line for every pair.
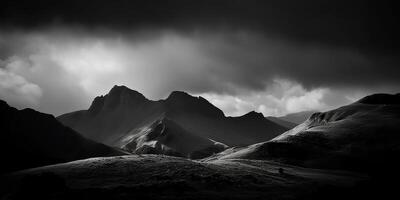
228,99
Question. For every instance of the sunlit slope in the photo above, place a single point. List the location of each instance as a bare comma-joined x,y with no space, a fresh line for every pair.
164,177
360,136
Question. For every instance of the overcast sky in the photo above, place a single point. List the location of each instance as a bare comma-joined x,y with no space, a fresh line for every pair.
275,57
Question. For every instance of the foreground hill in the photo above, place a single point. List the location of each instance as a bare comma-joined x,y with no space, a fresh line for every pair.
363,136
123,114
164,177
30,139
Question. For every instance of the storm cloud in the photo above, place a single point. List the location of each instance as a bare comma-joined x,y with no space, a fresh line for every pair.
272,57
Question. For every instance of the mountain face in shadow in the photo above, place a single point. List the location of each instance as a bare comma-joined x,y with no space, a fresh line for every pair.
362,136
123,114
31,139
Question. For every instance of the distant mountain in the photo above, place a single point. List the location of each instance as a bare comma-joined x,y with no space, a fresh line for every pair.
282,122
297,118
30,139
291,120
363,136
123,114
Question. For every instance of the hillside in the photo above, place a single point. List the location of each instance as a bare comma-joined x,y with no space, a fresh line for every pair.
30,139
164,177
363,136
168,138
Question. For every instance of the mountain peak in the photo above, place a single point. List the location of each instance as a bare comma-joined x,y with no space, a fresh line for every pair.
97,104
253,115
118,95
179,94
179,102
119,89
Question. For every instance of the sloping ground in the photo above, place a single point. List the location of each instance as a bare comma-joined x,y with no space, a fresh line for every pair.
163,177
41,140
363,136
168,138
123,111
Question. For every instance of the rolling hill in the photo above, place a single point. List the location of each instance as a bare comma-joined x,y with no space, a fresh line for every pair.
166,177
362,136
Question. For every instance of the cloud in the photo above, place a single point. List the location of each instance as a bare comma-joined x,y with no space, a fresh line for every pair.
17,90
231,105
238,70
367,26
279,98
47,86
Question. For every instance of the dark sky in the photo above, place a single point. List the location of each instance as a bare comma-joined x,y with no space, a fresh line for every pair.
368,25
240,54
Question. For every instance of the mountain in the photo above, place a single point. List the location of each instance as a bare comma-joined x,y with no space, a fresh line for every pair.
298,117
291,120
123,114
30,139
166,137
362,136
282,122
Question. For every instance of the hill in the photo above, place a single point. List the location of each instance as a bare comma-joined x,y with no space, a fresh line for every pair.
362,136
30,139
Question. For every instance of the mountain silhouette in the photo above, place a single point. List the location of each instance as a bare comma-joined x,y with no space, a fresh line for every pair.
118,116
31,139
362,136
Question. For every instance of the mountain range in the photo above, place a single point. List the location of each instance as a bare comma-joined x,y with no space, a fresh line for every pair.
124,118
350,152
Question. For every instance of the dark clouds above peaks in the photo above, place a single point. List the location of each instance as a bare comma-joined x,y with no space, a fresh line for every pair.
274,57
366,25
